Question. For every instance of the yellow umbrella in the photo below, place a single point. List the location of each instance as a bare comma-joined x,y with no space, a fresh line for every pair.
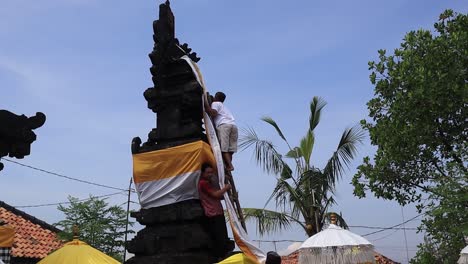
238,259
78,252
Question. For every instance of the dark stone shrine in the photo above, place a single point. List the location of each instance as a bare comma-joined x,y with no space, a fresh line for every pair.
174,233
176,95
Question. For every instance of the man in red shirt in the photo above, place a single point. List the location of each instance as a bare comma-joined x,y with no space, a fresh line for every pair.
210,199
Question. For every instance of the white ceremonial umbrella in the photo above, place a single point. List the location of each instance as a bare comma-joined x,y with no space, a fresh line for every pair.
463,256
336,245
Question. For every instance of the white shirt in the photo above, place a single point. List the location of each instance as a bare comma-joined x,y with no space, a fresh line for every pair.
224,116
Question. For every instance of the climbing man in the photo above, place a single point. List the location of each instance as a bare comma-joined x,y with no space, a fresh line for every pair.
210,199
226,128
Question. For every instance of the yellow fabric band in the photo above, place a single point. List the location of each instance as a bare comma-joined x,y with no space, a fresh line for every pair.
171,162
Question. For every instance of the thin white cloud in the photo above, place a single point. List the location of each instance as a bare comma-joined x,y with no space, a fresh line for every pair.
40,80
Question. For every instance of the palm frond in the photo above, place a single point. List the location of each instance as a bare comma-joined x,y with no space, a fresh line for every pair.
295,153
285,194
264,151
328,201
315,180
344,154
273,123
286,173
312,185
306,147
280,194
303,202
268,221
316,106
320,183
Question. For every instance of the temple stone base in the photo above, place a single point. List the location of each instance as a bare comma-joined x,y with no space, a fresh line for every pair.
174,234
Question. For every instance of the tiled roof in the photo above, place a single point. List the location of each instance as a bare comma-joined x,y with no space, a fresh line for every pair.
293,259
381,259
33,238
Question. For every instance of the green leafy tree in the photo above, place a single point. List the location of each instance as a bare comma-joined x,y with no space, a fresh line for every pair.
100,225
426,254
418,124
304,195
445,224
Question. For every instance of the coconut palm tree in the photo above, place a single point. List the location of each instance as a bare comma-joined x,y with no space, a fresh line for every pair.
302,196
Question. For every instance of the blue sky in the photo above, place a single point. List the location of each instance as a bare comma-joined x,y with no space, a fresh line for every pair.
84,63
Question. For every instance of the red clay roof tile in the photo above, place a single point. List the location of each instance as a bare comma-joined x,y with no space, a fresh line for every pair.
33,238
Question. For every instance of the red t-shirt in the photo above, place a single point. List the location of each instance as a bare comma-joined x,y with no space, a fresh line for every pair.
211,205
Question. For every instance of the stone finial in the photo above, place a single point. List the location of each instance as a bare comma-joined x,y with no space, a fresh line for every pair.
333,218
76,232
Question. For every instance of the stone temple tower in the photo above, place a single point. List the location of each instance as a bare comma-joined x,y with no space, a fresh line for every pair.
174,231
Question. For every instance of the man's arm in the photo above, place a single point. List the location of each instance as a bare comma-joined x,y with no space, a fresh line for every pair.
215,106
208,108
207,105
219,193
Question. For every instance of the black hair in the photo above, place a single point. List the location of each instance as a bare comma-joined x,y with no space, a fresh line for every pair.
220,96
205,166
273,258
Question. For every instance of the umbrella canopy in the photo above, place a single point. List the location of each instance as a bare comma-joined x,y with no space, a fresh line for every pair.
238,259
78,252
336,245
335,236
463,256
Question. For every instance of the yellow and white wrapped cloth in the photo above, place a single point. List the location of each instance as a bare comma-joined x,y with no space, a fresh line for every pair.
170,175
240,235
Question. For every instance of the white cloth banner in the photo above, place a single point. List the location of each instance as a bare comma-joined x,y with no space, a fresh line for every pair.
240,236
168,191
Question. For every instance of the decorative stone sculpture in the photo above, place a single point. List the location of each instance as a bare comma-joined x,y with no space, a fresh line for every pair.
16,133
174,233
176,95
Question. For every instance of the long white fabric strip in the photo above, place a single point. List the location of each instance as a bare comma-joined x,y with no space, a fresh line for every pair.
168,191
244,242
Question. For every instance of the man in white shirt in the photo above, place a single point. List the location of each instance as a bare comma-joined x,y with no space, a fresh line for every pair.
226,127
